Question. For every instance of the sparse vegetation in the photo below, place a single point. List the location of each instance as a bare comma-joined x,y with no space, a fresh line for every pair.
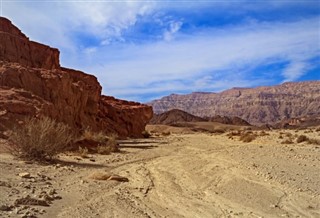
40,139
145,134
165,133
263,133
97,142
218,130
83,152
248,136
302,138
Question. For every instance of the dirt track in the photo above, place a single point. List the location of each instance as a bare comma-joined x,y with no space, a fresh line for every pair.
193,175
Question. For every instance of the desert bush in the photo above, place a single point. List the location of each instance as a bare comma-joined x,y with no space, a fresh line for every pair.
104,144
302,138
94,136
263,133
288,134
166,133
218,130
280,137
248,137
314,141
40,139
317,129
83,152
145,134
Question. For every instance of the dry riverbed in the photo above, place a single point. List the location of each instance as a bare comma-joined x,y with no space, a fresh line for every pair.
180,175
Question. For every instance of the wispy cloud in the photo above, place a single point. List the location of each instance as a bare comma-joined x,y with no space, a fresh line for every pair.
198,57
197,46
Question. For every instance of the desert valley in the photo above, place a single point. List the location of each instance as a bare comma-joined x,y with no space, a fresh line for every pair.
243,152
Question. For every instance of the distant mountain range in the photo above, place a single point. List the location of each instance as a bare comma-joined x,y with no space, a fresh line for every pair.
176,116
261,105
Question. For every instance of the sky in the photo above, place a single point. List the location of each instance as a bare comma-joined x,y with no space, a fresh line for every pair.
143,50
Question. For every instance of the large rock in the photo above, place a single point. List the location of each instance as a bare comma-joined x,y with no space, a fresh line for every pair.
269,104
34,84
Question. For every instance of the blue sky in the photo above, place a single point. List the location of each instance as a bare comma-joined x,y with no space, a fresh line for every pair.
142,50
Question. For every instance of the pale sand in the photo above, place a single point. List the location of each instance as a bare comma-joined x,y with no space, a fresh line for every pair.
182,175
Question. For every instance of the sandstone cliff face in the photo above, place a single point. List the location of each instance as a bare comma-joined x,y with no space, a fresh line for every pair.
16,47
32,83
255,105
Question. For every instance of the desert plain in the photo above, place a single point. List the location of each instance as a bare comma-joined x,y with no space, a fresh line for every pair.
177,172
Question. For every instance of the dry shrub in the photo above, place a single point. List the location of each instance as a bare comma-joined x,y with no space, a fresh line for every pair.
287,141
263,133
218,130
145,134
317,129
40,139
83,152
288,134
302,138
105,143
166,133
94,136
248,137
314,141
280,137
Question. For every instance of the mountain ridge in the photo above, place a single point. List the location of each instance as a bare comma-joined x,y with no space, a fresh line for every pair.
259,105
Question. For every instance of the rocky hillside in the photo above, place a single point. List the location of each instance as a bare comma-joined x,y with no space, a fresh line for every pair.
256,105
32,83
174,116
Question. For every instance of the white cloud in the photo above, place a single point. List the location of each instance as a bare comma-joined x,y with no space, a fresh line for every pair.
233,51
174,27
178,63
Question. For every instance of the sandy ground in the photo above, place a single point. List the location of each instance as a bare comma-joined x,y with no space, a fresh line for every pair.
180,175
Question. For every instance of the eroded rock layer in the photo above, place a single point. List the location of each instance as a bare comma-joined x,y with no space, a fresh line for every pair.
32,83
256,105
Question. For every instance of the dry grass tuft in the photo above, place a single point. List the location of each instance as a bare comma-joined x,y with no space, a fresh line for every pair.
218,130
248,137
40,139
302,138
145,134
263,133
103,144
314,141
166,133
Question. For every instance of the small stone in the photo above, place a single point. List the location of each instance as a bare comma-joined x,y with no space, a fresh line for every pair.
24,175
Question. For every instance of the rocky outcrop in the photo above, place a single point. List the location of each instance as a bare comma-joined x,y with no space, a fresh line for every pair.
32,83
16,47
256,105
174,116
229,120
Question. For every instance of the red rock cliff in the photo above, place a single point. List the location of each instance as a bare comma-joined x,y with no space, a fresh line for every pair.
32,83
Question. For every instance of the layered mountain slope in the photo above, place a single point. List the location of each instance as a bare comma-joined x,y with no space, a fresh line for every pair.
255,105
32,83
